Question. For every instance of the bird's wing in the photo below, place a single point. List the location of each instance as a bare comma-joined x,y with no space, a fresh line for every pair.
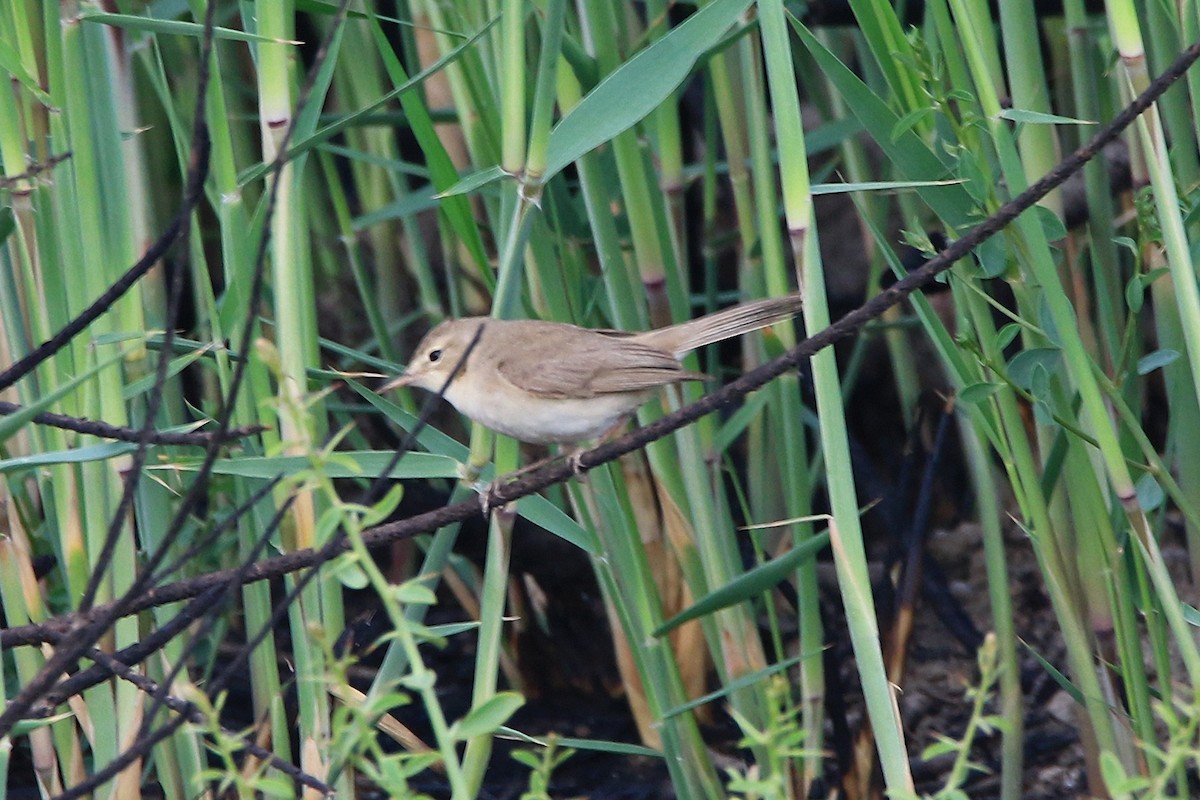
593,363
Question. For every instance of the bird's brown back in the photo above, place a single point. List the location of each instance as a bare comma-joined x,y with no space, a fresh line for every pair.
556,360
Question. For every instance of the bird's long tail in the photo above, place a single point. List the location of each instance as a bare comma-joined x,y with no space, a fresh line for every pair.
724,324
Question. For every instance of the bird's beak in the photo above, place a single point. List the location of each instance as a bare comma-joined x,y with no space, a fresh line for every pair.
397,382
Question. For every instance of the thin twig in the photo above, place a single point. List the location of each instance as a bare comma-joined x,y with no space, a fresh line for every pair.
120,433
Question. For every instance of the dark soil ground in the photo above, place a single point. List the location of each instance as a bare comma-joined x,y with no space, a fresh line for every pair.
575,690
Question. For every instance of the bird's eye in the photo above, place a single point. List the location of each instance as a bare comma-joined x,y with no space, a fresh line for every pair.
435,356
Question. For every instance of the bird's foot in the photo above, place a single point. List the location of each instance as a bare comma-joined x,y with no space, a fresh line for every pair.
488,501
575,461
487,490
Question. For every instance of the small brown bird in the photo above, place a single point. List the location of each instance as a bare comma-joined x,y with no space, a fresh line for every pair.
544,382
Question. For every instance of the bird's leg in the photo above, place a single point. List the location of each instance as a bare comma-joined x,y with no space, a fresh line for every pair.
483,490
575,457
486,490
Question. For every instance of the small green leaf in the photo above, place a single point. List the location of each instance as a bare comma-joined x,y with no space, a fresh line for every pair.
414,592
425,634
1134,294
1150,493
1039,118
1005,336
1154,274
1115,779
1023,365
1152,361
385,507
418,682
486,718
350,574
449,629
474,181
993,257
940,747
978,392
1126,242
527,757
387,701
1052,226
